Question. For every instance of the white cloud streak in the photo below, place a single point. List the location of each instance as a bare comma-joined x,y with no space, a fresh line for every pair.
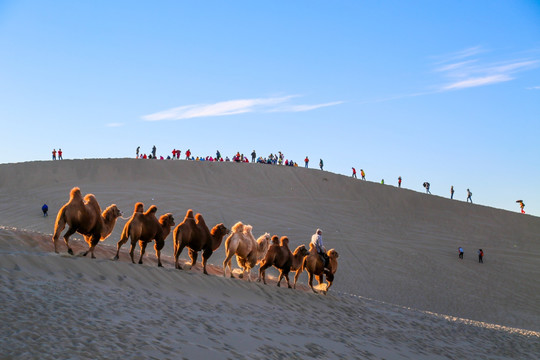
114,124
233,107
467,73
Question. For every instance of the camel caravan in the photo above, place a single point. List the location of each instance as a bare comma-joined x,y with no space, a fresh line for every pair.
84,215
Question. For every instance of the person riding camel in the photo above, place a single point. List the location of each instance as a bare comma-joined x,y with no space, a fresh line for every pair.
316,240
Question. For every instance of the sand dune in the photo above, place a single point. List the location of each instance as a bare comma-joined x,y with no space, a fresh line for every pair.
400,290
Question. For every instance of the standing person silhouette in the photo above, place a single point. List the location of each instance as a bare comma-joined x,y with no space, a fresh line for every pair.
45,210
306,161
321,164
354,173
469,195
399,181
452,192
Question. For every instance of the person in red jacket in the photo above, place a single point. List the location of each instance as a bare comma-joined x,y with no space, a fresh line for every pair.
59,154
354,173
188,154
54,154
306,160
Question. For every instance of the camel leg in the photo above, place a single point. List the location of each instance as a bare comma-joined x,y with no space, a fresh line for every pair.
286,278
132,250
92,242
311,281
227,263
142,244
158,254
193,256
205,256
262,273
177,252
298,272
118,246
66,240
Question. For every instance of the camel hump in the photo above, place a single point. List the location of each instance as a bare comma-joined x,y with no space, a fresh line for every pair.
75,193
139,207
247,229
151,210
189,214
238,227
284,241
275,240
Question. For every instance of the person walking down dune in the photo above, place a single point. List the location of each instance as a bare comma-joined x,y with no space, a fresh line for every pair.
460,250
321,164
354,173
45,210
469,196
363,174
480,256
426,185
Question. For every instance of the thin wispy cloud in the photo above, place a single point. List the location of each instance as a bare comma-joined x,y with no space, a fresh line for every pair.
465,69
114,124
534,88
233,107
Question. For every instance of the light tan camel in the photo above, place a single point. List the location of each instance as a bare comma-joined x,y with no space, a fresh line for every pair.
194,234
283,259
313,264
144,228
249,252
85,217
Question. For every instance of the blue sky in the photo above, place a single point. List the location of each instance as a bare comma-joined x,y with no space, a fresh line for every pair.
440,91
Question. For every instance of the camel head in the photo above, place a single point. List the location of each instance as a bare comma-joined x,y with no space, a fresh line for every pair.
111,213
332,254
301,250
218,232
166,220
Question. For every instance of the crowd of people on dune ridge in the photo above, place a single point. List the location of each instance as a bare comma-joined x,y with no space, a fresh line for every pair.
278,159
83,215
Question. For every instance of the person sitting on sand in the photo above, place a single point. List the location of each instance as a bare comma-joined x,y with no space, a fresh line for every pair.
316,240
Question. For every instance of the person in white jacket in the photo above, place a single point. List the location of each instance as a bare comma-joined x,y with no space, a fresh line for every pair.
316,240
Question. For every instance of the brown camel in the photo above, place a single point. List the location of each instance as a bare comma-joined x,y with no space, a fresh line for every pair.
249,252
283,259
85,217
313,264
194,234
145,227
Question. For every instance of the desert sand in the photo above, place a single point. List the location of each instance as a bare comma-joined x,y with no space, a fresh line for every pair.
400,291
